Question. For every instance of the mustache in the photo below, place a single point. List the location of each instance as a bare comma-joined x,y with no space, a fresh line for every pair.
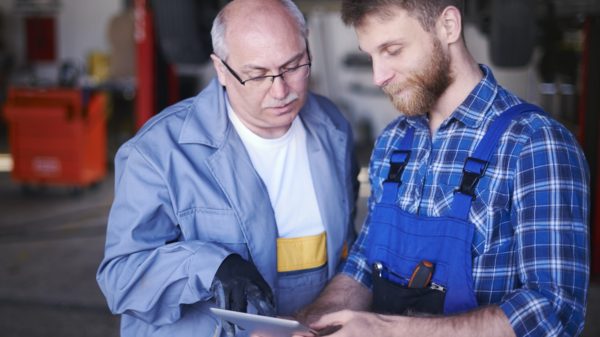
275,103
393,88
401,85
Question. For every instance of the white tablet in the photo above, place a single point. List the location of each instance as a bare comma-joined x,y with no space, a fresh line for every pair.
263,325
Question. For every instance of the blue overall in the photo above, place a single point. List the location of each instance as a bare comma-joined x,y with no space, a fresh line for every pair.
398,240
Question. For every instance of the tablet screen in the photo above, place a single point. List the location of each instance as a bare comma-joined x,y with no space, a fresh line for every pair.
263,325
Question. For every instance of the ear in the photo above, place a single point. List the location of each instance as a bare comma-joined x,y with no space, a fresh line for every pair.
449,25
220,69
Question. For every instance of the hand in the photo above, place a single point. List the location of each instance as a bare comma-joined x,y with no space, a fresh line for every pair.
308,315
307,334
312,313
347,323
237,283
335,298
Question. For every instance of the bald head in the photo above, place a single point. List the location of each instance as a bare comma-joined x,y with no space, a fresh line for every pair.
244,20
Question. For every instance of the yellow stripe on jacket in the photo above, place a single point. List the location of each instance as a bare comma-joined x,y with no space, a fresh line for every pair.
301,253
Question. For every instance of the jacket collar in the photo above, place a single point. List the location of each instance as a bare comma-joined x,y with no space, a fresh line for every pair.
207,122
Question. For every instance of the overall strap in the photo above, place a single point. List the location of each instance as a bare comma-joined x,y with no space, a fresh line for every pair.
475,166
398,160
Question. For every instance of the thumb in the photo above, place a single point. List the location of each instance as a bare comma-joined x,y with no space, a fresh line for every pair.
259,300
237,299
330,319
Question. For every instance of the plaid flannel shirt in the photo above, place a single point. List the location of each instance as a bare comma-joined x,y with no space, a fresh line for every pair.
531,244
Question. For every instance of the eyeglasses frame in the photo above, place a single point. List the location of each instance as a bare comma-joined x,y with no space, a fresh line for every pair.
273,77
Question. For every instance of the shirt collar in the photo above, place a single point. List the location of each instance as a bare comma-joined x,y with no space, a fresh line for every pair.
475,108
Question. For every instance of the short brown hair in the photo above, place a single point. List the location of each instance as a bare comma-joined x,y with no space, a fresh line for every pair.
426,11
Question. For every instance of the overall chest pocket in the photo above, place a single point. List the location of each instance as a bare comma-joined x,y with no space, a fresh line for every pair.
392,295
211,225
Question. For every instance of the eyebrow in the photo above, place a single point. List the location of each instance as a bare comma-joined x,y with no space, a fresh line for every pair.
390,43
293,59
386,45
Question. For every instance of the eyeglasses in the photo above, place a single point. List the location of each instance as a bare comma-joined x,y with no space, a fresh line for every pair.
289,75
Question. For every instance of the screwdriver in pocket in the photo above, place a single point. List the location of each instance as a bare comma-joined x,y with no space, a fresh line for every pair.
421,275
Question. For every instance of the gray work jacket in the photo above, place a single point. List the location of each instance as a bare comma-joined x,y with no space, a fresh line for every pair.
187,196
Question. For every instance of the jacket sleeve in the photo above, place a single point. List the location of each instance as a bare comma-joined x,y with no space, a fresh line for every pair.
550,221
353,186
146,272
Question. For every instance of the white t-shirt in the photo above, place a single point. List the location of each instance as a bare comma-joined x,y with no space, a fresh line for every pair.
282,164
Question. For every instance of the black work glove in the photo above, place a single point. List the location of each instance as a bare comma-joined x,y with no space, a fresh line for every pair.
236,283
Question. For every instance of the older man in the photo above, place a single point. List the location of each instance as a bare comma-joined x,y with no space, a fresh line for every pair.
241,197
478,214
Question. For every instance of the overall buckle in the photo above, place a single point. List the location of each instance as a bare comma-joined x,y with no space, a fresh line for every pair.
398,162
472,171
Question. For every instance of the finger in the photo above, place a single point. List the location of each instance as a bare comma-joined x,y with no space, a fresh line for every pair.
305,334
221,300
259,301
265,289
229,328
334,318
329,330
237,298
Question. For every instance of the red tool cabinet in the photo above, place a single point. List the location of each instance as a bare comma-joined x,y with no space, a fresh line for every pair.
57,136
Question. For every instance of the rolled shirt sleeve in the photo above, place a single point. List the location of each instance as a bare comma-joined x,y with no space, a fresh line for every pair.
550,212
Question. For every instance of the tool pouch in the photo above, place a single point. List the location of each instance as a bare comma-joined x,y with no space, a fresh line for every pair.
393,298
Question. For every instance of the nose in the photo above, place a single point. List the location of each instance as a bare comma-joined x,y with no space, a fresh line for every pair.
279,88
382,74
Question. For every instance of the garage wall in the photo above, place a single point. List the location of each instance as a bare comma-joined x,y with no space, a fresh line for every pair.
81,29
82,26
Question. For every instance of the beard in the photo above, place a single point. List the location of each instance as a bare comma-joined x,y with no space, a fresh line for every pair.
421,90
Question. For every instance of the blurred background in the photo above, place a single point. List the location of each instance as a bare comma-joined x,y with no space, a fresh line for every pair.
79,77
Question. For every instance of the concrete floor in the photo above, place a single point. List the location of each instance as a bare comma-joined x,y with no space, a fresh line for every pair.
50,246
51,243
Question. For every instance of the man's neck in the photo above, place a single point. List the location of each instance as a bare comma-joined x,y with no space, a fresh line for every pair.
467,75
